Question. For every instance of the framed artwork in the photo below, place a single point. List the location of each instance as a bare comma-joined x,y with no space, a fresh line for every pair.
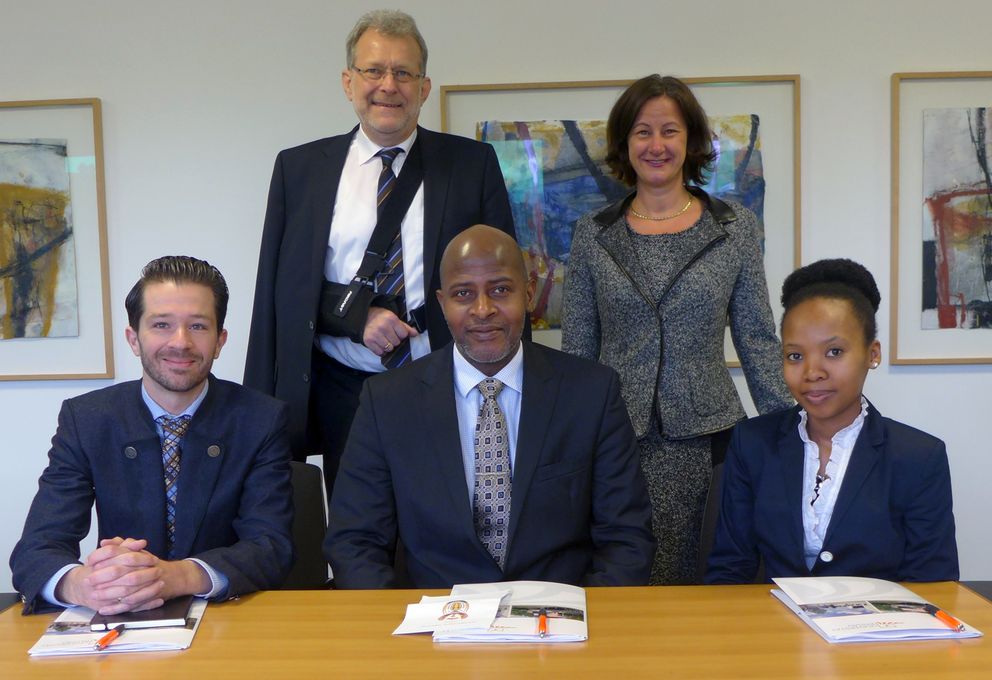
55,321
941,309
551,142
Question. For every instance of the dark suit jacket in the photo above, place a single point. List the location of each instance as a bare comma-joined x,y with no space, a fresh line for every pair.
579,514
234,509
463,186
892,519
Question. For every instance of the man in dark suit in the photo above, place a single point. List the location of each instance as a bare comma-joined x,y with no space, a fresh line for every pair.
190,474
321,214
492,459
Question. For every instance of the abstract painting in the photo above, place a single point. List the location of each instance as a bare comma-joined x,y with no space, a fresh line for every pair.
38,296
957,220
555,172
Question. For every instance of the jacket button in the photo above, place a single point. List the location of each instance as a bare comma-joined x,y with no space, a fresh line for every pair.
306,377
310,325
213,450
130,452
826,556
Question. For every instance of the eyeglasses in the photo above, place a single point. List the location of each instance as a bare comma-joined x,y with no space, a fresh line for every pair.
375,74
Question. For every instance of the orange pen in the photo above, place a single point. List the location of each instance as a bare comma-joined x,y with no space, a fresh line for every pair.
947,619
105,641
542,623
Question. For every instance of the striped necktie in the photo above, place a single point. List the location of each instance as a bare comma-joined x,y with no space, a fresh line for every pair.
390,280
173,431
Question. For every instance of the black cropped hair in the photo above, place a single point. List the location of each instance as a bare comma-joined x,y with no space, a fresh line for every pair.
839,279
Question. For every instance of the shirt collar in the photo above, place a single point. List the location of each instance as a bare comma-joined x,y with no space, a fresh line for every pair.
468,376
157,411
843,434
367,149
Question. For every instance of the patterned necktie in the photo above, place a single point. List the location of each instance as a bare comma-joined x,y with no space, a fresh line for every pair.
173,430
390,280
491,494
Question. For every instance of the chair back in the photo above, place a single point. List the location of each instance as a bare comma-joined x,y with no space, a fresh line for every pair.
309,572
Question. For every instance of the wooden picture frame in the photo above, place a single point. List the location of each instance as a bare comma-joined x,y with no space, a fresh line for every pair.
920,271
774,98
76,126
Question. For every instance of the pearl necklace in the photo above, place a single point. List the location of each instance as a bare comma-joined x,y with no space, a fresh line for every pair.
661,219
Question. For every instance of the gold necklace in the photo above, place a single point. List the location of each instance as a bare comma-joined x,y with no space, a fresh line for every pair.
661,219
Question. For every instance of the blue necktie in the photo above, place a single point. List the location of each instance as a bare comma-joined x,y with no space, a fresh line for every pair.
173,430
390,280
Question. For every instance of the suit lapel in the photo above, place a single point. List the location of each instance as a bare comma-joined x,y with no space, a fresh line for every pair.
321,198
437,175
618,243
202,458
144,477
792,451
440,421
864,457
537,408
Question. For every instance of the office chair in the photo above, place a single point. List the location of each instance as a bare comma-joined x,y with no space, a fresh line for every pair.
309,572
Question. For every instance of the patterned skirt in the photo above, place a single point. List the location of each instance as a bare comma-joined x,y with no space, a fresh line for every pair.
677,473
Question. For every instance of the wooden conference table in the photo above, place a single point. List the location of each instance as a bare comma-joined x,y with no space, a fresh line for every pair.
664,632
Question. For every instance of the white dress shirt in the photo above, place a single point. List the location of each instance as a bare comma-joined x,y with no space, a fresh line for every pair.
352,224
468,402
816,516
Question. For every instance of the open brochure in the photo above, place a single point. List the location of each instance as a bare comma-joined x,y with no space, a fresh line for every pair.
852,609
70,634
515,611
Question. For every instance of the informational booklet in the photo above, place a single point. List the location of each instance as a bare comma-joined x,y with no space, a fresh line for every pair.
70,634
528,607
852,609
172,613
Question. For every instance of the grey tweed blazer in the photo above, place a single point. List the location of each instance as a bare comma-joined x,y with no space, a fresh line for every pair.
669,354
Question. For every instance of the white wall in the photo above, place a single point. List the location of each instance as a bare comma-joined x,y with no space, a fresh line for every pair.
199,96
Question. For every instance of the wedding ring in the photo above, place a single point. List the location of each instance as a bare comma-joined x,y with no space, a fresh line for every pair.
389,346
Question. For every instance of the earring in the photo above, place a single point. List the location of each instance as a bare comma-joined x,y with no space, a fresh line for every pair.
874,364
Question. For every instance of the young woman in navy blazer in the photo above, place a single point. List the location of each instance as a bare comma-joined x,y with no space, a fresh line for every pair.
830,487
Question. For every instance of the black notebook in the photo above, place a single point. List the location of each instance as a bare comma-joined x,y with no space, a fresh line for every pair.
172,613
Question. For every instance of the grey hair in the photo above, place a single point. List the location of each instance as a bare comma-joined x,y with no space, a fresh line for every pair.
390,22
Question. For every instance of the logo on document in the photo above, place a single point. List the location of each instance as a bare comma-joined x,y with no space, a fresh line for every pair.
454,610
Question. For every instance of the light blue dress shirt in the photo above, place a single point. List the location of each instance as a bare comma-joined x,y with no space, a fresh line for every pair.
468,401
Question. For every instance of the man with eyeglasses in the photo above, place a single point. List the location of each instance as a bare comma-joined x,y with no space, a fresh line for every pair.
353,236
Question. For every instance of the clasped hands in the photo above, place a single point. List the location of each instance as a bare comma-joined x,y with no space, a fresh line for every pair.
384,331
120,576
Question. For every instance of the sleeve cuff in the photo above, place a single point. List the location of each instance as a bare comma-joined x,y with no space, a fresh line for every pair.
48,590
218,582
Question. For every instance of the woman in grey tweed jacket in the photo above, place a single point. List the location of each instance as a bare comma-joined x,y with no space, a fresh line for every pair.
650,296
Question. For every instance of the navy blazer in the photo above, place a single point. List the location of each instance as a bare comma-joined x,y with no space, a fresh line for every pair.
892,520
580,512
463,186
234,509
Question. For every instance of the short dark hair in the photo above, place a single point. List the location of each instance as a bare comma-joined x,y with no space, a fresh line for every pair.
700,154
177,269
839,279
391,22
